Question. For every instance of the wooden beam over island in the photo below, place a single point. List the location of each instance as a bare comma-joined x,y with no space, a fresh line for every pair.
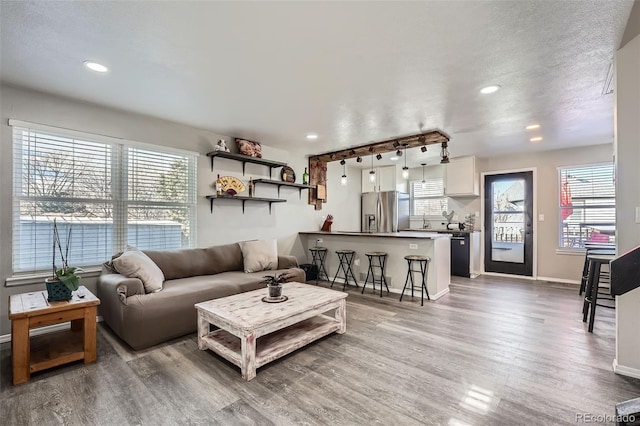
318,163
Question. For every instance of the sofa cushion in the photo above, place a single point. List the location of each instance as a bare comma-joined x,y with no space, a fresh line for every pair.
226,258
135,264
259,255
186,263
244,282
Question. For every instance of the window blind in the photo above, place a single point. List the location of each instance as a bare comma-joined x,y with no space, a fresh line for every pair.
587,207
427,198
160,201
106,194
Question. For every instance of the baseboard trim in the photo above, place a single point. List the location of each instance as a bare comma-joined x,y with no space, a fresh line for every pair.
625,371
5,338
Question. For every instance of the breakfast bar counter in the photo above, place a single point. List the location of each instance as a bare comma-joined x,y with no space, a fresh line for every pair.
401,234
397,245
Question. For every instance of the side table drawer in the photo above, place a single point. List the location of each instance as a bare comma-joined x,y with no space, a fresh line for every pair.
55,318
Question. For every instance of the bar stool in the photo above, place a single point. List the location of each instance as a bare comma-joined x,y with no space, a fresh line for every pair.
318,255
345,259
591,293
424,265
592,248
382,261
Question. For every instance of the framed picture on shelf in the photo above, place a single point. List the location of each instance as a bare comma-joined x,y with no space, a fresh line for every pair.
250,148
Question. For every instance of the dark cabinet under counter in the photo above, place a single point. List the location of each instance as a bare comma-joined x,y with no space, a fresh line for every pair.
460,255
465,253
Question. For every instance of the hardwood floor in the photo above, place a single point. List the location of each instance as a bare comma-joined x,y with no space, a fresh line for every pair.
493,352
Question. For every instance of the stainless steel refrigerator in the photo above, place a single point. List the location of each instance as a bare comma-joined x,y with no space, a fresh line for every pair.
385,211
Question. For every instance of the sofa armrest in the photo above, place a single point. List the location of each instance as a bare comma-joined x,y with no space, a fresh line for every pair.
120,285
286,262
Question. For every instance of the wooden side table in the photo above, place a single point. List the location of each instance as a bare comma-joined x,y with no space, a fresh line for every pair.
32,310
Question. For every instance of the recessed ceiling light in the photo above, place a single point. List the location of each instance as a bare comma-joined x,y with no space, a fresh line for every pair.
536,139
94,66
489,89
312,136
532,126
394,158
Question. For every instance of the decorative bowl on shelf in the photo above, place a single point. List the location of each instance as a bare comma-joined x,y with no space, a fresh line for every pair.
231,192
287,174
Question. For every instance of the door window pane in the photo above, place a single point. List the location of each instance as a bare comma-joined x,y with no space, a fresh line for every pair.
508,220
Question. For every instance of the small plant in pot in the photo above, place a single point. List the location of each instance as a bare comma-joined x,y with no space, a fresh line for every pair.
65,279
274,284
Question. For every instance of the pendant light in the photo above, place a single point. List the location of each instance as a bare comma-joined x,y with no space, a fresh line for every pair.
423,164
343,179
372,173
444,154
405,169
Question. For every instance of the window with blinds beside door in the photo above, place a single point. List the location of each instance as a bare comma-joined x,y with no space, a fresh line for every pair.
103,193
587,205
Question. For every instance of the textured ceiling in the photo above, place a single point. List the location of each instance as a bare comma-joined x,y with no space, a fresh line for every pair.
353,72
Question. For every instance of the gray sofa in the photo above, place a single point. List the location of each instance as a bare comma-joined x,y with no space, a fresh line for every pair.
191,276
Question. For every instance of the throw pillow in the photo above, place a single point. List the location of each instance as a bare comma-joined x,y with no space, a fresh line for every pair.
135,264
259,255
252,149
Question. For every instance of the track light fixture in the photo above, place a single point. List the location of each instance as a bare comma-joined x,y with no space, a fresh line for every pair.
444,154
379,156
342,162
399,153
352,152
422,140
359,160
396,144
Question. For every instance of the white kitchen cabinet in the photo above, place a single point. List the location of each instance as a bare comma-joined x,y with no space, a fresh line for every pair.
461,178
385,179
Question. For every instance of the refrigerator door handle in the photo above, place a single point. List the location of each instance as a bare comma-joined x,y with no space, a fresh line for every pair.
378,212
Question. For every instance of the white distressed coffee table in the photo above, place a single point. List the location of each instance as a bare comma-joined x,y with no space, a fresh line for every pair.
253,333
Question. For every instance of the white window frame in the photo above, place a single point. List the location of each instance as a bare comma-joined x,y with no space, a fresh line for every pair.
579,248
119,198
442,198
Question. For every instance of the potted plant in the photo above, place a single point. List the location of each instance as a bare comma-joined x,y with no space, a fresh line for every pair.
65,279
274,284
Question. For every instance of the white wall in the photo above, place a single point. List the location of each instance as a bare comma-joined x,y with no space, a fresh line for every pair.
551,265
633,24
628,198
227,223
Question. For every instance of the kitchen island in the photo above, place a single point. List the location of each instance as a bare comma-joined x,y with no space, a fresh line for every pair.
397,245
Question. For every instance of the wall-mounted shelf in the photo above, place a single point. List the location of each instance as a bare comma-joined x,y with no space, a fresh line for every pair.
244,199
281,183
245,159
